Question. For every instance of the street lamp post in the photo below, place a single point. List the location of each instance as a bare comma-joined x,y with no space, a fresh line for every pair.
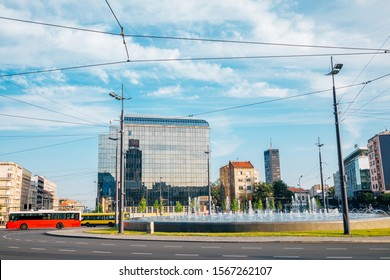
322,180
208,179
116,179
300,197
335,70
122,161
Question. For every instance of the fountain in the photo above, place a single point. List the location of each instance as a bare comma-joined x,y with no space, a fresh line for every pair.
266,220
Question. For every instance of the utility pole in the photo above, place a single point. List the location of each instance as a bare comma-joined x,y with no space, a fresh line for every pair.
322,180
335,70
208,178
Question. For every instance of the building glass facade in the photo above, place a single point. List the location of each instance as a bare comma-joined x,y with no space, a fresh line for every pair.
164,158
272,165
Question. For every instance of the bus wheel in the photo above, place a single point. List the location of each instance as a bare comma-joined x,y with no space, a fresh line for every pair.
59,226
23,226
87,225
110,224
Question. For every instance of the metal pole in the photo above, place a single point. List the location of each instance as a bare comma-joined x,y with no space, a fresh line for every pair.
116,184
322,180
340,161
122,172
208,179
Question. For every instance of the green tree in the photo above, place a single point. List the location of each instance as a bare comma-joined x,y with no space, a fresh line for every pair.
156,206
272,203
179,207
261,191
142,205
281,192
98,209
216,193
223,206
234,206
279,206
259,205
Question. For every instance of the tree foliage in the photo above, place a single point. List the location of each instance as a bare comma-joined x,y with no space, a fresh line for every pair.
142,205
179,207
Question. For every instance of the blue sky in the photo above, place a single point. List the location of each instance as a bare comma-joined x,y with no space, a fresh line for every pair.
50,121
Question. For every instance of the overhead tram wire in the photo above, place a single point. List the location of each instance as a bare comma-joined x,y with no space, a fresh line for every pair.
364,68
47,146
268,101
50,120
182,59
122,30
47,109
192,39
56,102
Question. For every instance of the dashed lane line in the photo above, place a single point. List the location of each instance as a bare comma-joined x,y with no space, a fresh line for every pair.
379,249
38,249
234,256
173,246
210,247
293,248
339,257
252,248
66,250
139,245
187,255
142,253
286,257
13,247
102,252
336,249
107,244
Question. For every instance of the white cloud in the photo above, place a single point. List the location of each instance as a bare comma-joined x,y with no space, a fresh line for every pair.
259,89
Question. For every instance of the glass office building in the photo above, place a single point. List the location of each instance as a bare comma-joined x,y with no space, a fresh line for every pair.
165,158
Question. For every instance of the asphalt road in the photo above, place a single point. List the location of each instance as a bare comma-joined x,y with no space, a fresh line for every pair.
36,245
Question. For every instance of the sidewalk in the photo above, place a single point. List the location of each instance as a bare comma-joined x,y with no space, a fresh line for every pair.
80,232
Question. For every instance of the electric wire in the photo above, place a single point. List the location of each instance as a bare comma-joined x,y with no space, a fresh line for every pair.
50,120
122,30
46,109
47,146
192,39
179,59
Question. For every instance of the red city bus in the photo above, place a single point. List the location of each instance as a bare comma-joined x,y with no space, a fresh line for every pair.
43,219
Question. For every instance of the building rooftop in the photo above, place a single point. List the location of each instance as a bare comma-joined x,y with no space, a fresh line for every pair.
241,164
297,190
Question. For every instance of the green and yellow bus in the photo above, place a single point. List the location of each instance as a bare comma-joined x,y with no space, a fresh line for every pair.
94,219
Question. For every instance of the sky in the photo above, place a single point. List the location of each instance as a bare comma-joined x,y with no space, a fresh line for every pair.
255,70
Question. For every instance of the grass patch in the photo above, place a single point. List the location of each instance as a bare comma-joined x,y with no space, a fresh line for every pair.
354,233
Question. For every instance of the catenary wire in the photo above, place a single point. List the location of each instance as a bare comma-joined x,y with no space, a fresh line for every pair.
191,39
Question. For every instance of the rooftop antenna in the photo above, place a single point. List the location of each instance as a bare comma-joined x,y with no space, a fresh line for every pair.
270,143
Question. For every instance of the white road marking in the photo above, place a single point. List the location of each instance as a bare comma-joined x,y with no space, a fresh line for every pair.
42,241
287,257
39,249
66,250
252,248
187,255
379,249
62,242
101,252
210,247
385,258
28,240
173,246
141,253
107,244
138,245
12,247
339,257
292,248
82,243
336,249
234,256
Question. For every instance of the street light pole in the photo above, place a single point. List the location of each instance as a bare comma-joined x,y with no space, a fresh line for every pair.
208,178
322,180
336,69
116,180
122,162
